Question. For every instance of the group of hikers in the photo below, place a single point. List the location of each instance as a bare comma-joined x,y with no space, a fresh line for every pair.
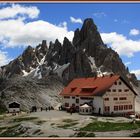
35,109
70,110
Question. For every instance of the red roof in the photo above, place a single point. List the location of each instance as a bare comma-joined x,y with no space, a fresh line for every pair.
96,86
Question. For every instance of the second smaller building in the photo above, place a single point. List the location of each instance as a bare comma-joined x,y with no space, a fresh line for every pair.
14,107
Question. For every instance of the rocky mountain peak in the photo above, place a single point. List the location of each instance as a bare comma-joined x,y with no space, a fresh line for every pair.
88,24
76,38
66,42
57,43
89,29
85,56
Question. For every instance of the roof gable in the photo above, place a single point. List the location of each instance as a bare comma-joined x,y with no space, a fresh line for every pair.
13,102
128,85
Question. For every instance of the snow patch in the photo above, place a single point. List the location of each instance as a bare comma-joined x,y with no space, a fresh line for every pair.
36,72
54,53
60,69
92,63
39,48
25,73
84,50
31,68
42,60
39,75
100,73
41,54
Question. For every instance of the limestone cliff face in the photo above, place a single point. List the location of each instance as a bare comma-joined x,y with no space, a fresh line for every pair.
86,55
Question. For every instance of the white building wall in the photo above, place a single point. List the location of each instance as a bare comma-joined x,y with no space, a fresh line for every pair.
98,104
130,98
13,110
73,101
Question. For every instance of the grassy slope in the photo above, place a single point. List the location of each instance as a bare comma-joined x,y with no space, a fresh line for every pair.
108,126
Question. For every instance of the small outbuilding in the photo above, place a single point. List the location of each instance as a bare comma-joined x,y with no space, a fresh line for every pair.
14,107
85,109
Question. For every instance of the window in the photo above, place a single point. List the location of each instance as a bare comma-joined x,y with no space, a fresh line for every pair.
66,104
73,104
77,100
121,107
125,107
120,90
106,99
115,108
73,97
88,90
122,98
72,89
115,99
126,90
114,90
107,108
130,106
66,97
120,83
86,110
109,90
115,83
86,98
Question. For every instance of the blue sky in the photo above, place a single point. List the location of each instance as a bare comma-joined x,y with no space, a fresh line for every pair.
23,24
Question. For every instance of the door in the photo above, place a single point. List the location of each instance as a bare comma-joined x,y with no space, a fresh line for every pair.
77,101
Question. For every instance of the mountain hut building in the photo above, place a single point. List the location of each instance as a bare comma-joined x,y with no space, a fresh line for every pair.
106,95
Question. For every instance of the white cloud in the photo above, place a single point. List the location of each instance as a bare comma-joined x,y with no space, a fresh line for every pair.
127,63
99,14
4,59
121,44
137,73
76,20
16,10
63,24
15,33
134,32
